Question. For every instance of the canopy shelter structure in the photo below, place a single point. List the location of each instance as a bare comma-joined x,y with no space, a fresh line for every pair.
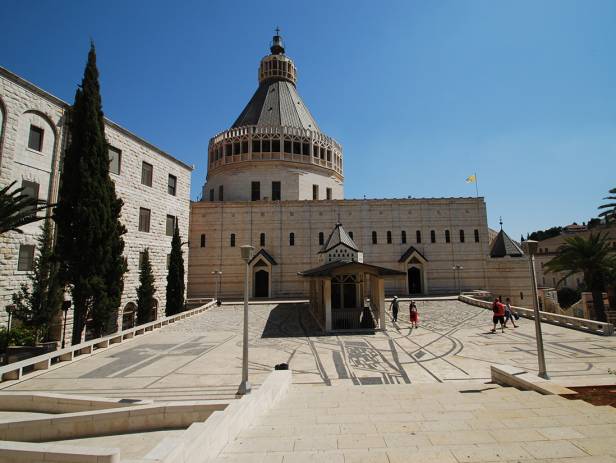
345,292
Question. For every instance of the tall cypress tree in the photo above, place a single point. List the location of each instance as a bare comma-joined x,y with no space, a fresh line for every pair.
90,244
175,276
145,291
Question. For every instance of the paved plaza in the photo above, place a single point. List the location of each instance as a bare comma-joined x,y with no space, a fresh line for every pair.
200,357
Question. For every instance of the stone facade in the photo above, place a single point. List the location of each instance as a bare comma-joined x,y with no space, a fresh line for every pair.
21,105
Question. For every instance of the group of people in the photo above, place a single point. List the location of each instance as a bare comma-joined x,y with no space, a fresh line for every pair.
502,314
413,312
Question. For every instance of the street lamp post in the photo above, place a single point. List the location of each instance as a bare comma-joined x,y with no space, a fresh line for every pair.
245,385
66,305
456,269
9,310
218,274
530,246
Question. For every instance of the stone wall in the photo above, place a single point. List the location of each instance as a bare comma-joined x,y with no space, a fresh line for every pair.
306,219
22,104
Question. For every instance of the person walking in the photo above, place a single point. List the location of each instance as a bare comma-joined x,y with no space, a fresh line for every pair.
509,313
413,315
498,309
394,308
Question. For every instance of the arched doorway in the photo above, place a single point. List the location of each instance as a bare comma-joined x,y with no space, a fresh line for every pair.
414,280
261,288
128,315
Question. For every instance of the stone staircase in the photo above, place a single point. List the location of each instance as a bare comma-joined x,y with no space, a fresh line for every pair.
461,422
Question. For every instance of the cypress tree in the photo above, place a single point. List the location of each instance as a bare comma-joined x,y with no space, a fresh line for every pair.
145,291
175,276
90,244
38,302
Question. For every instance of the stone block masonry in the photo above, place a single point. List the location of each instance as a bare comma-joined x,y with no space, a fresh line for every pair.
23,105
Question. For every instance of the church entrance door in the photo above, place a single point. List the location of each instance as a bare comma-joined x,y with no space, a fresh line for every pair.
262,283
414,277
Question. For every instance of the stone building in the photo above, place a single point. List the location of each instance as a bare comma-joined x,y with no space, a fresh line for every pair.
275,181
154,186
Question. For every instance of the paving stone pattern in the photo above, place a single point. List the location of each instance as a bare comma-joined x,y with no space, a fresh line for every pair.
451,422
200,358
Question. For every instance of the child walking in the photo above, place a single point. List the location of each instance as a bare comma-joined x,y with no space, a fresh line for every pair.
413,315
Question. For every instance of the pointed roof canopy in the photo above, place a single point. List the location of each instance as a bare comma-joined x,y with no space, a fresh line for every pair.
503,246
339,236
266,255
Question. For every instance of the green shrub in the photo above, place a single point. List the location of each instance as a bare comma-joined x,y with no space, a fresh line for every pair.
567,297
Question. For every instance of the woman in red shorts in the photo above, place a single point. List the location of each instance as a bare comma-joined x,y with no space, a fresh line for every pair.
413,315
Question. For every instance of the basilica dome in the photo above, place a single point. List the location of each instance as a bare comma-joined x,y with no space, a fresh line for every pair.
274,150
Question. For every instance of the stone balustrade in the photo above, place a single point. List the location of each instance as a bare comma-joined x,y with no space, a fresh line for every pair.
15,371
581,324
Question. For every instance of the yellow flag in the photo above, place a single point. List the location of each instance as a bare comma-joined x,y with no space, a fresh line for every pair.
471,179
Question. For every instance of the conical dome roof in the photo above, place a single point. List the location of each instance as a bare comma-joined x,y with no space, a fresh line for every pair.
504,246
276,102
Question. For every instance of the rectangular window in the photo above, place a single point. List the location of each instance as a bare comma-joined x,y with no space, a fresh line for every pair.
244,147
203,240
170,227
403,237
115,160
476,236
172,184
256,146
211,194
374,238
315,192
432,236
266,146
321,238
26,257
275,191
291,239
146,173
276,146
31,190
388,236
461,236
232,240
236,147
220,193
328,193
144,219
262,239
447,237
287,147
255,189
305,149
141,259
297,147
418,236
35,138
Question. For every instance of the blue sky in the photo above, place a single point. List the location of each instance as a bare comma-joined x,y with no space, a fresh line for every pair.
420,94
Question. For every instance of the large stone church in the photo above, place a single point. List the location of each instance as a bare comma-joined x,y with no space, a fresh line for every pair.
275,181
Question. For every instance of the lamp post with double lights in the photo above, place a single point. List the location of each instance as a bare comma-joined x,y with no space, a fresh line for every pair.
245,385
530,247
456,269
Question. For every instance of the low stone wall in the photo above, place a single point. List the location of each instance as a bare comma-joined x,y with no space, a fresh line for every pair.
106,422
25,452
204,441
15,371
41,402
581,324
506,375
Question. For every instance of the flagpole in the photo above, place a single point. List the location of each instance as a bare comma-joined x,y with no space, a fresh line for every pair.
476,186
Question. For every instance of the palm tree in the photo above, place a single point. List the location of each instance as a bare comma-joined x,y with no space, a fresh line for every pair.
593,257
610,213
18,209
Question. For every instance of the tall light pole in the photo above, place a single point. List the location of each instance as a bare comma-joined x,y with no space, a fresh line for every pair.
530,246
245,385
456,269
218,274
66,305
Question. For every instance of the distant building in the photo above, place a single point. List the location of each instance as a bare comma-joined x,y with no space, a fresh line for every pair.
275,180
154,186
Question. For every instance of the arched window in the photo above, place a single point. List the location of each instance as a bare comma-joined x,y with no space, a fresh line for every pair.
232,240
418,236
476,236
262,239
403,237
447,236
374,238
388,236
321,238
291,239
461,236
432,236
203,240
